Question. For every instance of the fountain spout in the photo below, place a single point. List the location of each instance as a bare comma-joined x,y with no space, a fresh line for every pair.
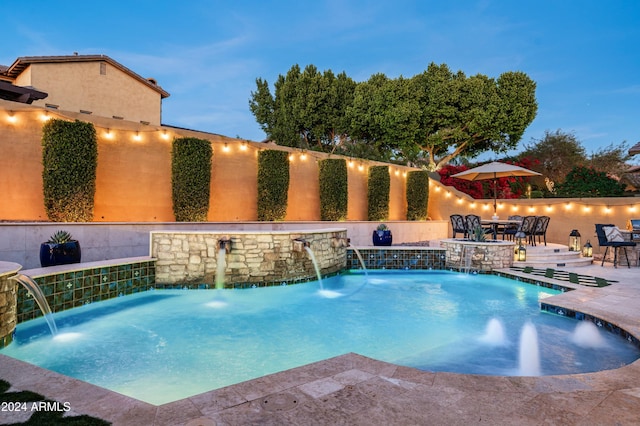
299,245
224,243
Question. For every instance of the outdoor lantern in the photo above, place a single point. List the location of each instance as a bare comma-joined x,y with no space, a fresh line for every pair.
574,240
521,251
587,250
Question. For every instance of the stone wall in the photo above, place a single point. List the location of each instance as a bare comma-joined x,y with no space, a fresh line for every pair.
8,318
478,256
254,257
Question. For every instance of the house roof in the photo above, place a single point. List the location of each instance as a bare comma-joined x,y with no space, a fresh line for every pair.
20,64
25,95
635,149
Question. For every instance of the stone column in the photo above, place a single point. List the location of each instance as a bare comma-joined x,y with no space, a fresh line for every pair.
8,302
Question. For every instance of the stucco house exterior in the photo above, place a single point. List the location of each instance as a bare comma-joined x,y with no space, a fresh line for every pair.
89,84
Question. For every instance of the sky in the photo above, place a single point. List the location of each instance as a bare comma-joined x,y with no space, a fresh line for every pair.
583,55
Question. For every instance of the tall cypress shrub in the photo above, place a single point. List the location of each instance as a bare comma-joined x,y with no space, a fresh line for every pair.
417,194
273,184
333,189
70,160
191,178
379,184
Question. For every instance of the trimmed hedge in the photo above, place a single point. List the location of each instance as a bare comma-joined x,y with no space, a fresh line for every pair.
379,184
273,184
333,189
70,160
191,178
417,194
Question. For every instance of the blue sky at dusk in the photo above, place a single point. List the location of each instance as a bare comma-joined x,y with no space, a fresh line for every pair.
583,55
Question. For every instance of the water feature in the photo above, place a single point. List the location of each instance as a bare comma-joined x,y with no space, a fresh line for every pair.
163,345
587,335
529,356
361,259
224,247
495,333
35,291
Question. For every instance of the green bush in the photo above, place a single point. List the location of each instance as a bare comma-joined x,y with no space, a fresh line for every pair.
273,184
588,182
378,193
191,178
70,160
417,194
333,189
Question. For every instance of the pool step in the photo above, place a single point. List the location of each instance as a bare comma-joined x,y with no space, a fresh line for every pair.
553,256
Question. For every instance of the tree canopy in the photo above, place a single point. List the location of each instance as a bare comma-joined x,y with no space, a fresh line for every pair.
427,119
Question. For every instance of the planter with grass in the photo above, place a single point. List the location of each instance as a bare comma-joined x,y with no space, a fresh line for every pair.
61,249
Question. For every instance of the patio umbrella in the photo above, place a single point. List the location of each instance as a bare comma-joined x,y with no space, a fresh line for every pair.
494,171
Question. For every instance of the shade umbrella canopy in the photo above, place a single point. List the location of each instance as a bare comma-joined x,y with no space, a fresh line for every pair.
494,171
635,149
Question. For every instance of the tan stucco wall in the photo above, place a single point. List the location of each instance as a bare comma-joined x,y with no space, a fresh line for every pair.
133,182
566,213
79,86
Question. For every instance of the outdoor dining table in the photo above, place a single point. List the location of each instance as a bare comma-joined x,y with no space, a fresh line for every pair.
495,223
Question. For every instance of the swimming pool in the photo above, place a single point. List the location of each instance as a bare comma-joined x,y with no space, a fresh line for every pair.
164,345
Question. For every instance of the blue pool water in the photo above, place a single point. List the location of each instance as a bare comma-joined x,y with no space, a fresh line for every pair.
164,345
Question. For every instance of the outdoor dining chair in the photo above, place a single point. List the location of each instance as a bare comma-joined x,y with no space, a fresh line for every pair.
472,222
458,225
540,230
527,227
608,237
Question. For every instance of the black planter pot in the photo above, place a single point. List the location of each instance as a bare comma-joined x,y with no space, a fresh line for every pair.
382,238
59,254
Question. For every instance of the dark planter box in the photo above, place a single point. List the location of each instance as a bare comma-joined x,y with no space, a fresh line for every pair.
382,238
59,254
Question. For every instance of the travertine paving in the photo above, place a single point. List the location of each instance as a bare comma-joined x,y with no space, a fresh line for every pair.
355,390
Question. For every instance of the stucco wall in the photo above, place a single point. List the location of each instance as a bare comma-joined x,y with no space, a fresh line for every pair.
133,182
566,213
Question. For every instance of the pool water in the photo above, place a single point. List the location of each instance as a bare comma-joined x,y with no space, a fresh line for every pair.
164,345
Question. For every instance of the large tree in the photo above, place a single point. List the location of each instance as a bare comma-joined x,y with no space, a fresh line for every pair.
557,154
307,110
428,119
438,115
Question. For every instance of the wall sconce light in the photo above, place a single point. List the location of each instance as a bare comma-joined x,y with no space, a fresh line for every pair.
574,240
587,249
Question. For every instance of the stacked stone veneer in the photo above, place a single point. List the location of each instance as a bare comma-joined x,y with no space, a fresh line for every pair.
255,257
478,256
7,302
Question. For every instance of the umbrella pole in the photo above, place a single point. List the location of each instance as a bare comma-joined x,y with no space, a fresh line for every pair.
495,196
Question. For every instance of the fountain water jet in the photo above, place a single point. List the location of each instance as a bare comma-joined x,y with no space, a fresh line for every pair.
494,334
587,335
529,357
35,290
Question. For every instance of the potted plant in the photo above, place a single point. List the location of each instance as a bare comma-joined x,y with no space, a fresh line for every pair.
61,249
382,236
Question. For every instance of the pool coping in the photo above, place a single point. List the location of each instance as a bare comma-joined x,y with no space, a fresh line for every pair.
314,385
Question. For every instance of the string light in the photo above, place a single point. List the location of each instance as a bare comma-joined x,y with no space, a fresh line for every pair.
243,146
108,134
165,135
11,117
225,147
